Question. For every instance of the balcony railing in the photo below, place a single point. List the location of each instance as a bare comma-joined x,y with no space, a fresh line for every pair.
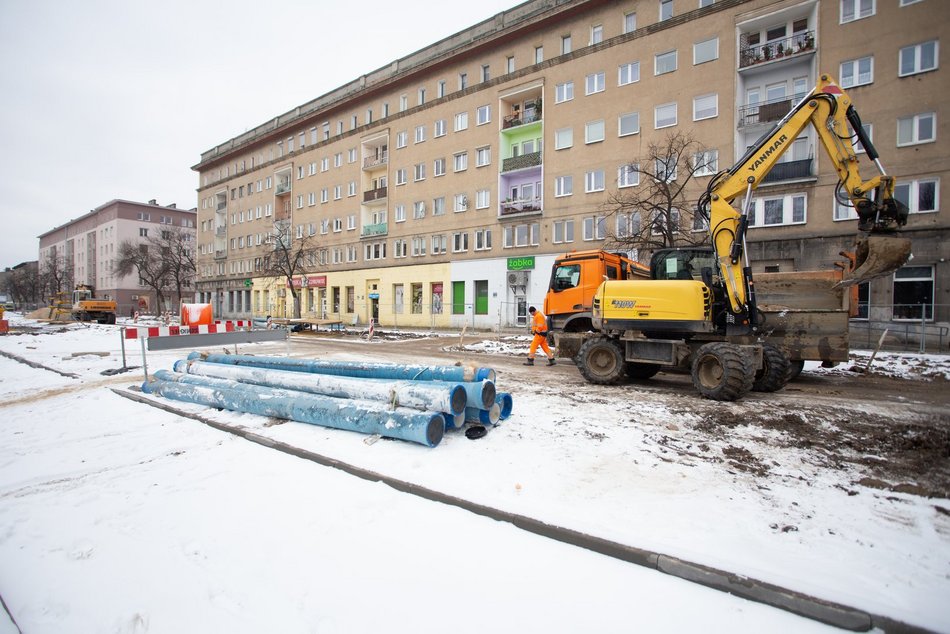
528,205
282,188
221,231
532,159
220,254
374,194
777,49
789,170
374,161
222,206
767,111
521,118
376,230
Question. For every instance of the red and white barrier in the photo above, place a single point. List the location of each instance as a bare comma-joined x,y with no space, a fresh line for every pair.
169,331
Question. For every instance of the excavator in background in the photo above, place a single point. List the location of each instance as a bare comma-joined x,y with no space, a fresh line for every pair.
712,326
86,307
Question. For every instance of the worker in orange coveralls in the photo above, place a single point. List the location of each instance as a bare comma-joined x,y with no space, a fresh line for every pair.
539,328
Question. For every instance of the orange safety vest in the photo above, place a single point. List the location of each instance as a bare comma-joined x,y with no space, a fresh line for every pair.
539,323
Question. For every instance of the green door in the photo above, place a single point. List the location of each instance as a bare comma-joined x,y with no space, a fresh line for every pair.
458,298
481,297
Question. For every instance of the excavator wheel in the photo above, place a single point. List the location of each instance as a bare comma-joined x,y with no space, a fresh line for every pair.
641,371
775,371
600,360
721,372
877,256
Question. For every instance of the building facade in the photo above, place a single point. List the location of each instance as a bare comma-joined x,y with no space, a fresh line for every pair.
438,190
86,249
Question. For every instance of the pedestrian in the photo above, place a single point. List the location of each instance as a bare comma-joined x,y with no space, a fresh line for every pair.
539,328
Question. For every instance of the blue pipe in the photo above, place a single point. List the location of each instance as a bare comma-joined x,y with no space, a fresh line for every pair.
481,395
435,396
355,368
506,402
483,416
426,428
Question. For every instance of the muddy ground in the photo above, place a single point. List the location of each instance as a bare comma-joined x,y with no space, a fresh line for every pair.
887,432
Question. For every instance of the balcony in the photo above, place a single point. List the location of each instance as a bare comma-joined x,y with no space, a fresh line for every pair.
375,231
532,159
514,120
377,194
523,206
283,187
221,231
767,111
223,206
371,162
789,170
797,44
220,254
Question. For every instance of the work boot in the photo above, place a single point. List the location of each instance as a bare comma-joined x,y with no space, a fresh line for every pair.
551,361
529,361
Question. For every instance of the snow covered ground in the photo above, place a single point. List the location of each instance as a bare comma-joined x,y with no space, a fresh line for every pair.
119,517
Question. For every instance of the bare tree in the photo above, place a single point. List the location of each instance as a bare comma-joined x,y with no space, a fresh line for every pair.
56,274
149,263
177,248
289,258
23,285
655,212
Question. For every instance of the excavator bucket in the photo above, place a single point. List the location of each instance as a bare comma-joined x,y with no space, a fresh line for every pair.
876,256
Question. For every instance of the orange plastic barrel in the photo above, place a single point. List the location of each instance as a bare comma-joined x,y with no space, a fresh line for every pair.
196,315
4,326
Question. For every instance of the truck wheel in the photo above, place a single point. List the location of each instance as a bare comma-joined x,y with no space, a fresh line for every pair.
795,368
721,372
637,370
600,361
774,373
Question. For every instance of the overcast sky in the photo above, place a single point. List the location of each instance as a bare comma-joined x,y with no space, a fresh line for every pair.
118,99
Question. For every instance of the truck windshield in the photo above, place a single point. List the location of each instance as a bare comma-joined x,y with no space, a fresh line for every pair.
566,276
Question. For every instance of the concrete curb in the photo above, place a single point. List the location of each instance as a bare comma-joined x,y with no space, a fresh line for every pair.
38,366
814,608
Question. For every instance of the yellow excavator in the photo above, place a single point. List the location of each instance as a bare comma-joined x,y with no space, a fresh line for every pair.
711,327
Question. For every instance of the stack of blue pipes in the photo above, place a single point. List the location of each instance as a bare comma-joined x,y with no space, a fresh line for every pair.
409,402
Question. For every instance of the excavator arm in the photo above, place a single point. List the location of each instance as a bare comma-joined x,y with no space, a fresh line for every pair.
829,110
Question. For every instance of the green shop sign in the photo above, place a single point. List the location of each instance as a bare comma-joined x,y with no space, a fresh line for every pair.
521,264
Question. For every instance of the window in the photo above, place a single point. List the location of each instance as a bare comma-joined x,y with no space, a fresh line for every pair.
564,92
628,225
420,134
418,248
482,156
666,169
595,83
459,241
594,132
400,250
438,128
419,172
439,244
483,115
628,175
438,206
337,225
337,192
418,210
918,58
460,161
664,116
461,121
563,138
914,293
706,51
402,139
664,63
705,107
482,199
595,228
460,203
628,123
483,239
440,88
852,10
665,222
780,210
521,235
706,163
920,128
565,44
401,176
351,188
628,73
596,34
563,231
338,159
538,54
594,181
844,211
143,232
563,185
857,72
438,167
399,212
920,196
463,81
630,22
510,64
421,96
666,9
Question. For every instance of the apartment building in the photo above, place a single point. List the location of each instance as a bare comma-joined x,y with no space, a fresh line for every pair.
85,250
438,189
